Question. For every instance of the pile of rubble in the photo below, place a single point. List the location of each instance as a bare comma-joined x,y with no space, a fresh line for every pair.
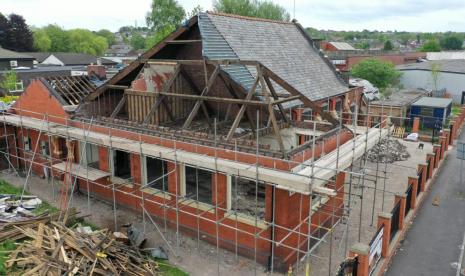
13,208
388,151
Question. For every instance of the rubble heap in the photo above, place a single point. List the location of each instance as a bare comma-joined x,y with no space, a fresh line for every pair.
388,151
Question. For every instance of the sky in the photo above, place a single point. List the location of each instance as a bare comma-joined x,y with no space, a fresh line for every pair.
400,15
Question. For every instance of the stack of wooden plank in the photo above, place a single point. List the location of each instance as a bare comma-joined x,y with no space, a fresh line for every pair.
54,249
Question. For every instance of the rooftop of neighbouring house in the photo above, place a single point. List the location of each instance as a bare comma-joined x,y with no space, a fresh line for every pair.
447,66
7,54
342,46
433,102
401,98
68,59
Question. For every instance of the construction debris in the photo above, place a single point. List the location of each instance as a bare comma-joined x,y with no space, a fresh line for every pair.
12,208
55,249
388,151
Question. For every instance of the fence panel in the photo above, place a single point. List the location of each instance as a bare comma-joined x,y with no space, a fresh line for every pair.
395,219
420,180
408,200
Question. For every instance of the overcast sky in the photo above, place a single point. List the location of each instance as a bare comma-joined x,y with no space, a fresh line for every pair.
408,15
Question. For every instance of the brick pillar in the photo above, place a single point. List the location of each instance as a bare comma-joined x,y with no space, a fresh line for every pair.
362,252
444,142
448,140
432,158
416,125
219,184
384,220
402,199
413,180
422,185
437,152
298,114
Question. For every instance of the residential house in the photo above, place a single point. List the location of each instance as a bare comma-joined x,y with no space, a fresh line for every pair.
10,60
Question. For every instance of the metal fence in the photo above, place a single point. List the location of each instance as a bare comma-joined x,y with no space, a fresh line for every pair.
395,219
408,200
420,180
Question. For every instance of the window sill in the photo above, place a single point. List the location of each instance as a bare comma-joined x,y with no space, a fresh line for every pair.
198,205
246,219
156,192
319,203
121,181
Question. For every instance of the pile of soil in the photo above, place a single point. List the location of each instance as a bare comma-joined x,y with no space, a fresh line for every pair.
388,151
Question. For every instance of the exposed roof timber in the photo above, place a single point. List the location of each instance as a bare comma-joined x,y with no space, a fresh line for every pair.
184,41
142,59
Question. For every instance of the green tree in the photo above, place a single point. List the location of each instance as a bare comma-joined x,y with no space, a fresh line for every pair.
452,43
388,46
110,37
380,73
165,14
9,81
154,39
84,41
137,41
59,38
431,45
42,41
435,73
195,11
254,8
362,45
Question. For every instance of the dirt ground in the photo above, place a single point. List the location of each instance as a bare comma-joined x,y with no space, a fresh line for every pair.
200,258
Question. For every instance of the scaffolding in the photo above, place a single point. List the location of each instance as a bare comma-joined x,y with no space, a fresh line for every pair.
313,180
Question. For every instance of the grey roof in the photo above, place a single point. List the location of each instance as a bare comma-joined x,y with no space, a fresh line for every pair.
80,59
39,56
447,66
401,98
342,46
433,102
280,46
7,54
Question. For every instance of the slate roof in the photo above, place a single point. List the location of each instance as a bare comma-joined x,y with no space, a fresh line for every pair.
7,54
401,98
80,59
447,66
280,46
39,56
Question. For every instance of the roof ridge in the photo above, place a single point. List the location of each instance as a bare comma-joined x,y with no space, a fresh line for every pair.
250,18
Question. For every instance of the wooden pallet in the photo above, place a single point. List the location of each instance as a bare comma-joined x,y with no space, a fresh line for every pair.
399,132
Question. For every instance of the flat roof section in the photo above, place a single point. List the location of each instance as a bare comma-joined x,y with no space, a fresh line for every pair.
433,102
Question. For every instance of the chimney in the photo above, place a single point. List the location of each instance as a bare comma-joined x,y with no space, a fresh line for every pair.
97,71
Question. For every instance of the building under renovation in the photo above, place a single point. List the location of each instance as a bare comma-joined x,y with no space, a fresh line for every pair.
233,130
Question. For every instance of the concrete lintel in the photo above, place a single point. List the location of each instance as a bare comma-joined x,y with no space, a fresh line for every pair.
360,248
385,215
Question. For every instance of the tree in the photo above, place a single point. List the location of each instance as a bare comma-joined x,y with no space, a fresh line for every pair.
4,31
380,73
435,72
431,45
195,11
110,37
42,41
20,35
59,38
9,81
254,8
388,46
137,41
154,39
165,14
362,45
452,43
84,41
